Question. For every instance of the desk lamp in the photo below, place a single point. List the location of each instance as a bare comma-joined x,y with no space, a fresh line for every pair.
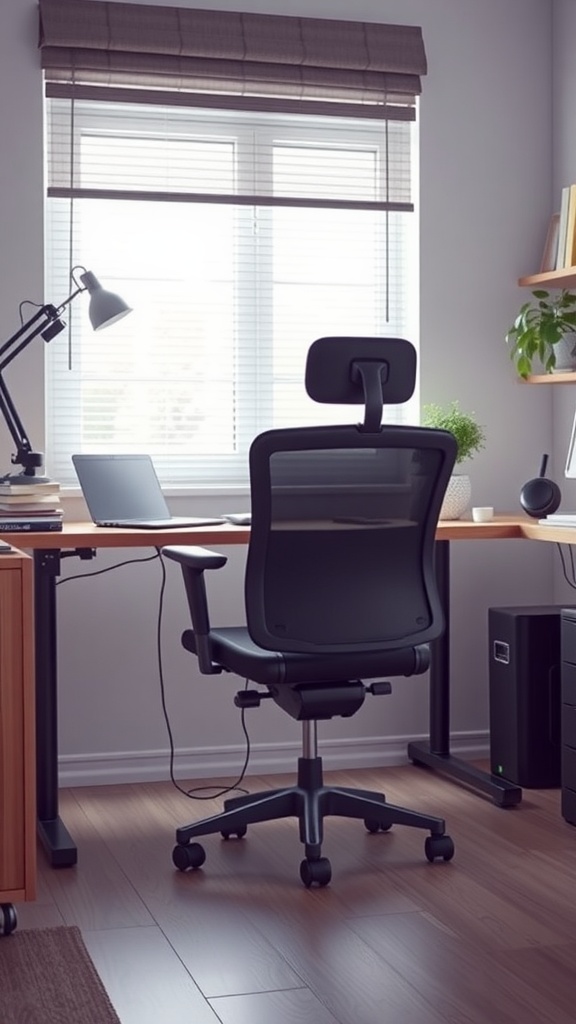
105,308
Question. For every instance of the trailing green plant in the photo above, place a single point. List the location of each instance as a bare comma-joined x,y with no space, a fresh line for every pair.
470,436
539,326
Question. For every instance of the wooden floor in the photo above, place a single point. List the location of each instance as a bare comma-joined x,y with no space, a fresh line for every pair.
489,938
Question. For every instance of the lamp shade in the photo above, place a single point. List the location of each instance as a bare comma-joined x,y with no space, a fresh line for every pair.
105,307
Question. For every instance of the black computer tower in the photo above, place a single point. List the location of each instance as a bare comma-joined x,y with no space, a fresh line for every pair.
525,700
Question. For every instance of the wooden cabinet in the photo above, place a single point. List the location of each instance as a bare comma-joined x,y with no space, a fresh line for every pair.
17,731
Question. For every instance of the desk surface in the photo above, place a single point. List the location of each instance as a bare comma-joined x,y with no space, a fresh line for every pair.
88,535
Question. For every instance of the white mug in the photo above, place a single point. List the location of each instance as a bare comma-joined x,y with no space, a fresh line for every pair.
482,514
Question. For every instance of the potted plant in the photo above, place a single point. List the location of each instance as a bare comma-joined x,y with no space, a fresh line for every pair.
540,328
470,438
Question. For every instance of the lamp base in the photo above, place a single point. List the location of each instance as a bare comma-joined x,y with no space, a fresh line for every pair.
22,479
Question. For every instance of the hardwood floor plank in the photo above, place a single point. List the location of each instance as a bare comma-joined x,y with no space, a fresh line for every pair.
144,979
298,1006
460,981
550,971
96,893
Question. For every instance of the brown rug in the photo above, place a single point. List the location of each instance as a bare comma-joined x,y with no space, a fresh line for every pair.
47,977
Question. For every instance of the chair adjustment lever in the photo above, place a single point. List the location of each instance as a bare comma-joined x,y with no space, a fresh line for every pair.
379,689
250,698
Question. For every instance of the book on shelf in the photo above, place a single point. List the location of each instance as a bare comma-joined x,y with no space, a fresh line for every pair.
562,227
24,524
550,254
570,245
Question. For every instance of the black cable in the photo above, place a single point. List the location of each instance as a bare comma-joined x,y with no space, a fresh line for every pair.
194,792
108,568
570,582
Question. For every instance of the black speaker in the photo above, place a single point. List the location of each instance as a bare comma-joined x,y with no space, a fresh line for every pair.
524,681
540,497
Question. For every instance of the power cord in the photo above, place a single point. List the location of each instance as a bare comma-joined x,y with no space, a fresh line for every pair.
570,582
195,792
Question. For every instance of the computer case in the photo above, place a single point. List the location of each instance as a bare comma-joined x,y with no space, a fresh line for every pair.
524,681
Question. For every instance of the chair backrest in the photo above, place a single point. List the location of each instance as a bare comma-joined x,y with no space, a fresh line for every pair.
341,553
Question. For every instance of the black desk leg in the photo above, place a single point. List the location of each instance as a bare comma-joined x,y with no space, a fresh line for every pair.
53,835
436,752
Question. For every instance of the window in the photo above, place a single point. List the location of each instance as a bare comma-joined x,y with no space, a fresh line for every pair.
245,182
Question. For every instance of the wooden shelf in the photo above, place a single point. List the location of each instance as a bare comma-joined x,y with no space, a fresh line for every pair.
566,377
565,278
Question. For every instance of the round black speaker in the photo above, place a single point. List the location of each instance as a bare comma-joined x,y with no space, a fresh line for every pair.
540,497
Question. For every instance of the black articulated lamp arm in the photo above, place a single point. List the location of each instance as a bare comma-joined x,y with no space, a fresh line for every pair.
46,322
105,308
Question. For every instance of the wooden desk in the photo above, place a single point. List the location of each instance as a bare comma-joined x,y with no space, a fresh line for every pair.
82,539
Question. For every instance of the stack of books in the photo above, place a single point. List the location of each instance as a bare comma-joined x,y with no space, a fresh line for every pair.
30,506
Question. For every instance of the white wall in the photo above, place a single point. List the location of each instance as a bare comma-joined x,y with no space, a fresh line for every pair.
486,186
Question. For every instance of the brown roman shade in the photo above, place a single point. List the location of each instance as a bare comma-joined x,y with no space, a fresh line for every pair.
230,59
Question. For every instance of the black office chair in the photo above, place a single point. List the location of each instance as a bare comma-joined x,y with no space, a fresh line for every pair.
339,586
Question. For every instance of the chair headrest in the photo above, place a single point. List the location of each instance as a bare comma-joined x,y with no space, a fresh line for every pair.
331,376
361,371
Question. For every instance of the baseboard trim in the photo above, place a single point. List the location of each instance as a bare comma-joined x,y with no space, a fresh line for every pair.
101,769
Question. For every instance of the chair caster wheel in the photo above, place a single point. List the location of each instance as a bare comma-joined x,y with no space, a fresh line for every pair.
8,918
316,872
374,826
439,847
240,832
191,855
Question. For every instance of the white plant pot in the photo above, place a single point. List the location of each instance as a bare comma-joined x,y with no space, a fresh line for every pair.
565,353
457,497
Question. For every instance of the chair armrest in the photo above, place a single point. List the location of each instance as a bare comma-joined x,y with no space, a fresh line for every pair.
194,561
196,558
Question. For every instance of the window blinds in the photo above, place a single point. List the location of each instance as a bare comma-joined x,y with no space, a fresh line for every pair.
372,70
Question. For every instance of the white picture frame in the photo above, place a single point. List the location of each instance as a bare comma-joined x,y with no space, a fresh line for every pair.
570,469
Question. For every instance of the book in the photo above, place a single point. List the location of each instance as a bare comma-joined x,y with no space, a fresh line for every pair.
17,502
41,487
570,244
562,227
40,525
23,511
550,254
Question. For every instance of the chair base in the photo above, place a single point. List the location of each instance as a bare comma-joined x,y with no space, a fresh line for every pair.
310,801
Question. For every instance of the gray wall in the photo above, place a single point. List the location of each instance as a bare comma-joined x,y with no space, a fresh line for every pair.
486,192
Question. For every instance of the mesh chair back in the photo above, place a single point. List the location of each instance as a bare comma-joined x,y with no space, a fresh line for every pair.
341,554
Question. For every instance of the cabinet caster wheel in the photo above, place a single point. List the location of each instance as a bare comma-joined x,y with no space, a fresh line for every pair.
374,826
240,832
190,856
8,918
316,872
438,847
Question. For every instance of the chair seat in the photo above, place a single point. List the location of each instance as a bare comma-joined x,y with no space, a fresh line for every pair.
233,648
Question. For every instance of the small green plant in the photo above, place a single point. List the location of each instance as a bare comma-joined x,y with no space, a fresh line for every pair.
470,436
539,326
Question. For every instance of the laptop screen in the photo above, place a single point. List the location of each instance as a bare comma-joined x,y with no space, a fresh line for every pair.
120,487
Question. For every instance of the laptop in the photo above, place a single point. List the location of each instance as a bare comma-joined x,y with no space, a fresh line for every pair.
123,490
